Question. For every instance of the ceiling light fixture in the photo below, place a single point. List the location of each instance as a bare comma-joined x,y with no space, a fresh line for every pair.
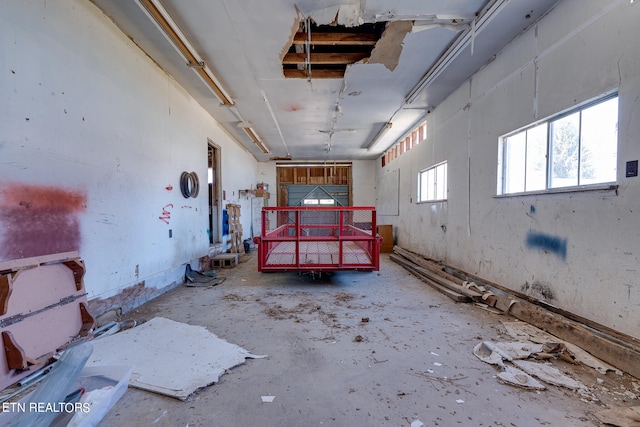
254,137
165,23
380,134
456,48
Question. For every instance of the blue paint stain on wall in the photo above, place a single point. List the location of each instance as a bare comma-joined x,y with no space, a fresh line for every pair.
225,222
547,242
532,209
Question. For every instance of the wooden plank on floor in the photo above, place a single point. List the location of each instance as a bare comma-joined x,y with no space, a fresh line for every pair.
413,269
425,263
441,280
623,357
612,347
502,290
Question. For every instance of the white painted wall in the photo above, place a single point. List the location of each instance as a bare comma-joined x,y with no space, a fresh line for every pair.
582,49
83,108
267,174
364,182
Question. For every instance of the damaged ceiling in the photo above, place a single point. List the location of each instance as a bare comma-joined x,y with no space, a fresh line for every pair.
321,80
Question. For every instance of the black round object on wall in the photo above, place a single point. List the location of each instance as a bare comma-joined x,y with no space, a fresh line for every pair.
189,184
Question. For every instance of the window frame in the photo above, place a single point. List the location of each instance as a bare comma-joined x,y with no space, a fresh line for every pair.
436,190
503,166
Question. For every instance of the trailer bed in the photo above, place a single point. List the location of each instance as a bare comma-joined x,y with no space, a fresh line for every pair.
318,239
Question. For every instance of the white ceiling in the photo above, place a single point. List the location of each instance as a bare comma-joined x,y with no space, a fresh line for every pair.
243,41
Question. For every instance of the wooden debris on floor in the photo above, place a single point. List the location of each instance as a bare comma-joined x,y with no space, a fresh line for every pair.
613,347
620,417
428,272
570,352
235,228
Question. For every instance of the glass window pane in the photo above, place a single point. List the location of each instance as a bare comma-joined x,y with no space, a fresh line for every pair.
310,201
433,183
441,182
327,201
445,186
599,145
564,134
514,163
423,186
536,171
431,189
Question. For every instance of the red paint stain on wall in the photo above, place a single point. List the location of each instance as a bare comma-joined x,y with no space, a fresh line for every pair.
293,108
39,220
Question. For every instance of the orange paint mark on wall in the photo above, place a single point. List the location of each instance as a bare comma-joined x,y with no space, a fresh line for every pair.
42,197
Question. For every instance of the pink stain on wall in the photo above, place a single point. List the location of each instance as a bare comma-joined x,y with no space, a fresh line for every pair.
293,108
39,220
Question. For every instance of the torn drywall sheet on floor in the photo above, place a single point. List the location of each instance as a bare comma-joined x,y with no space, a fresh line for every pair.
524,371
526,332
170,358
492,354
515,376
548,374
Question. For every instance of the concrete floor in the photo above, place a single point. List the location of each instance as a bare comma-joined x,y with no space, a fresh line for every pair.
411,361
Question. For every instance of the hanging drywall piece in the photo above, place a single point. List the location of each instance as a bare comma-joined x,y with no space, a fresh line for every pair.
349,15
324,16
170,358
388,49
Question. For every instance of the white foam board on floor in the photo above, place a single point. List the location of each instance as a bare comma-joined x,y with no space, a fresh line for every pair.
170,358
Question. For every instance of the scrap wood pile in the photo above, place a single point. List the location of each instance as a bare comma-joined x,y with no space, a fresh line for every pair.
613,347
457,288
546,334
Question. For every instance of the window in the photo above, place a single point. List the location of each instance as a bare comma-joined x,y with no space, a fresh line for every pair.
574,149
324,202
432,184
405,144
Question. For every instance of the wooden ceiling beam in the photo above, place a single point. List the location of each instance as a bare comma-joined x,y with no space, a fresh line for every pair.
324,58
315,74
354,39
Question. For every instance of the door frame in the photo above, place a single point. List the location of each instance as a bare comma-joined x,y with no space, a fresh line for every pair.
214,192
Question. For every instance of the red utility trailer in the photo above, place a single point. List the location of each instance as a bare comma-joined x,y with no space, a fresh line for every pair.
317,239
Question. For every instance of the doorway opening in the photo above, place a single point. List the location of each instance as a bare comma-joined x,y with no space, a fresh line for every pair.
213,179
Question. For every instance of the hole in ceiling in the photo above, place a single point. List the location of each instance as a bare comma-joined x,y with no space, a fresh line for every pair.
325,51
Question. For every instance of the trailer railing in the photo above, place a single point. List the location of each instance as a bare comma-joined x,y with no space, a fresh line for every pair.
318,239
